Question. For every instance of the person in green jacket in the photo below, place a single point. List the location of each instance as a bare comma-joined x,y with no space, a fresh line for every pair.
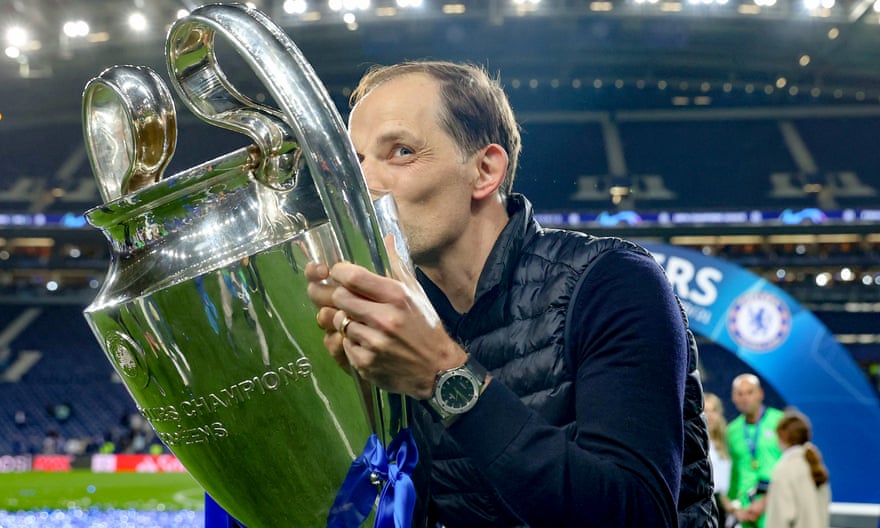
754,451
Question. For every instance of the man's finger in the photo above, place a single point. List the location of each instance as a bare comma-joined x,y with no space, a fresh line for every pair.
333,343
364,283
317,271
319,289
325,318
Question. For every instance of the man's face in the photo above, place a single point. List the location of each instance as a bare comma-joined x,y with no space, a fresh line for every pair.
403,150
747,397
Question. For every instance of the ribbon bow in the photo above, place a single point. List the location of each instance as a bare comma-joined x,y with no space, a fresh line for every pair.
393,466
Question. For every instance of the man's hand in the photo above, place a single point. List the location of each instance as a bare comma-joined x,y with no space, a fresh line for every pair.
751,513
393,337
320,291
756,508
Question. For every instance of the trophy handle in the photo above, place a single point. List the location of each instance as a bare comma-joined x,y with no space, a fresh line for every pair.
130,128
306,110
307,130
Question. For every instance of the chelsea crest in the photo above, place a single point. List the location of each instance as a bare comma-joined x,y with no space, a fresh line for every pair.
759,321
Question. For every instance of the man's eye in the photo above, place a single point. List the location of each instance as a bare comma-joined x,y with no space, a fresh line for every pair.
401,151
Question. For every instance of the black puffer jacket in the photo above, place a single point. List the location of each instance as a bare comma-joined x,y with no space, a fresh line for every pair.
517,330
696,509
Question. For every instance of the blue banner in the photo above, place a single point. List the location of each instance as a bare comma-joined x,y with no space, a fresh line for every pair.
792,351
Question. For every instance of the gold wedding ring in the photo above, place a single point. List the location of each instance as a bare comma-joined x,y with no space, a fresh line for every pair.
344,326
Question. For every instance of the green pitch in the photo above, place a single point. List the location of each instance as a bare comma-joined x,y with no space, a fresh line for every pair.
84,489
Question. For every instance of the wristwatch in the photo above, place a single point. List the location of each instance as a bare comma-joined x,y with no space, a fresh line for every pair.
457,390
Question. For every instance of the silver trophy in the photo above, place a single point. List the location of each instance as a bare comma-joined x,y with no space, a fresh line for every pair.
204,312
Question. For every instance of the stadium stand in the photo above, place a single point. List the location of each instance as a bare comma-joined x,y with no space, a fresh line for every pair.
67,394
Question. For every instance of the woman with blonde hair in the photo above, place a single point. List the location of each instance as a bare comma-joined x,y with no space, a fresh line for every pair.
719,454
799,493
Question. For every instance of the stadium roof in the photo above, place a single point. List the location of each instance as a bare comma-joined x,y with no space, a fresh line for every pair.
570,67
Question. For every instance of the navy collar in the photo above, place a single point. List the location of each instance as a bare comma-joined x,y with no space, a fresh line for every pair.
500,264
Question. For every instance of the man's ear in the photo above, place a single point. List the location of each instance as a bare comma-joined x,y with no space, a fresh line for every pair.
492,163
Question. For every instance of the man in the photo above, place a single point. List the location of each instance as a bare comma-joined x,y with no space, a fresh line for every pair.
754,450
586,406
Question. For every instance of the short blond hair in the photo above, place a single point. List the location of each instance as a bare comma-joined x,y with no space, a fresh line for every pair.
475,113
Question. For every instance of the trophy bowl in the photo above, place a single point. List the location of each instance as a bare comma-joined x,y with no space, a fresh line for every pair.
204,312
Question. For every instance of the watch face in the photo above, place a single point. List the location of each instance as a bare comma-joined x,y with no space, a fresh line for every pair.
457,393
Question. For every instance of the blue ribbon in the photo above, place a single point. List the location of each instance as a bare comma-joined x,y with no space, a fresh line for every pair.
398,498
217,517
393,466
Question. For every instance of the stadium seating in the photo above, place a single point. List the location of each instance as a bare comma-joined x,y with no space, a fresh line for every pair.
70,390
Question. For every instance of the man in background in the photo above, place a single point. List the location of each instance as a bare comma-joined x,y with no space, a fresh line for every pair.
754,450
